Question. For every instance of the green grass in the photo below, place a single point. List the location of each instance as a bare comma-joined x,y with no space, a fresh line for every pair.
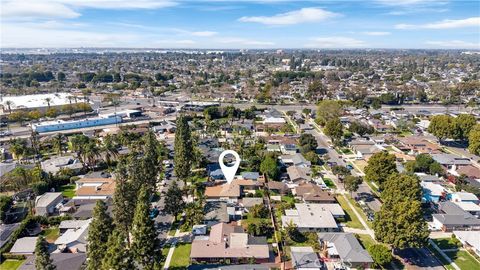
463,259
366,240
11,264
445,243
360,211
351,219
51,234
329,182
68,191
288,199
181,256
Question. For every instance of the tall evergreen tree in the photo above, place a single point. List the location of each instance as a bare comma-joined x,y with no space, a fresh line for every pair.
124,198
151,160
42,257
117,256
183,149
174,203
98,233
144,235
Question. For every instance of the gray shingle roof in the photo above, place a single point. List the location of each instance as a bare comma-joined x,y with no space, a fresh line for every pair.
347,246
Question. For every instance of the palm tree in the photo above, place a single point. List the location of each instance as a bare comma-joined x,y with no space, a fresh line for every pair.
48,100
18,147
57,142
9,104
91,152
110,148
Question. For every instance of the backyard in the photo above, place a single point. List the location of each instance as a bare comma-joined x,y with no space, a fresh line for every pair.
11,264
463,259
68,191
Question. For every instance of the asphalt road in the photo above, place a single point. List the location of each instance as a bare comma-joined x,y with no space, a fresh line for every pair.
420,258
363,190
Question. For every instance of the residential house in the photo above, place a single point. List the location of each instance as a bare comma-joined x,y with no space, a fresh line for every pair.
62,261
296,159
450,161
310,217
229,244
215,212
432,192
55,164
452,217
305,258
311,193
469,239
298,174
418,145
6,231
24,246
464,197
278,187
74,240
72,224
47,203
249,202
94,188
289,149
346,249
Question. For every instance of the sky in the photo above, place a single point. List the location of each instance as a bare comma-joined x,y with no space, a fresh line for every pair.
247,24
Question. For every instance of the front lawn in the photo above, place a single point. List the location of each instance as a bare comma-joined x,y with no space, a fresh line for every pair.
463,259
68,191
181,256
11,264
446,243
366,240
351,219
329,182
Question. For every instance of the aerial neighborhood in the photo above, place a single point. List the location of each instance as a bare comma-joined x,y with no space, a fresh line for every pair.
348,160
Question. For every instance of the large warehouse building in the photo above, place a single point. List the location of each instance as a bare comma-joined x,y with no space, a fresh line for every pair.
32,102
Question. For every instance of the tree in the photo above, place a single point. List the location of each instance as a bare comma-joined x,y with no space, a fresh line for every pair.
57,142
400,221
98,234
443,127
334,130
183,149
424,163
151,160
474,140
465,123
380,166
5,204
352,183
193,214
48,101
269,167
381,255
328,109
312,157
174,203
124,197
360,128
144,235
42,257
117,256
9,104
307,143
259,211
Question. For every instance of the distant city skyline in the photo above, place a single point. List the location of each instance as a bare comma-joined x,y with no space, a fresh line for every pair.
248,24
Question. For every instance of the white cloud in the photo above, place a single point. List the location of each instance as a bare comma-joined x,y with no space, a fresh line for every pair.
203,33
29,9
244,42
375,33
410,2
454,44
335,42
445,24
293,17
34,9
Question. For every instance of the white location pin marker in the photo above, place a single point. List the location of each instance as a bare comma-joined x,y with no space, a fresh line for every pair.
229,172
